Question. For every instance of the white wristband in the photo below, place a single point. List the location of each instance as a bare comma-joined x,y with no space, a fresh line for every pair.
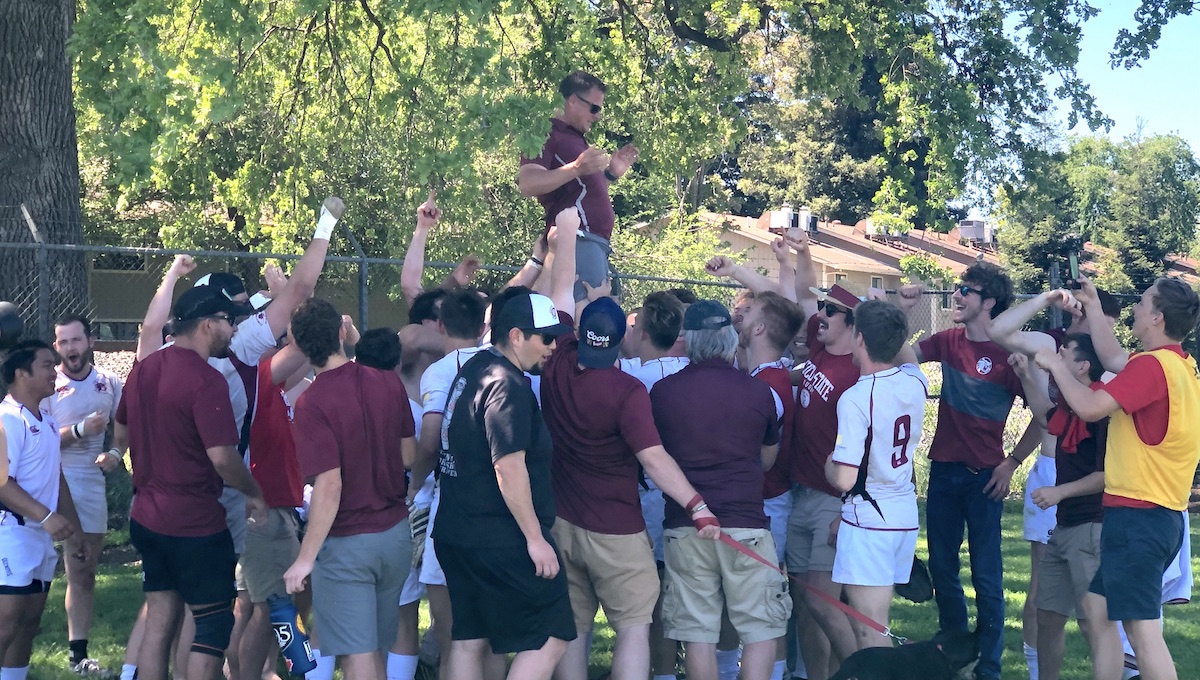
77,431
325,225
48,516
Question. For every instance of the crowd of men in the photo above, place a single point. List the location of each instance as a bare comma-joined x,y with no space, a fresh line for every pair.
522,459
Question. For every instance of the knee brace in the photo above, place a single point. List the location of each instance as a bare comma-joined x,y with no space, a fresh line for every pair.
214,625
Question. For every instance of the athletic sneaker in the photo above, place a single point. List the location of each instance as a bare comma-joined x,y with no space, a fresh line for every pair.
90,668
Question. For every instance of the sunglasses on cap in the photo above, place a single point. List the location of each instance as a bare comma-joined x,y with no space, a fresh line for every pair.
965,290
831,309
595,108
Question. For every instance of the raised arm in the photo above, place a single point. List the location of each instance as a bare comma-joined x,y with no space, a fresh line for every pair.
721,265
787,272
562,274
533,267
463,274
428,214
159,311
303,281
1006,328
1108,348
806,273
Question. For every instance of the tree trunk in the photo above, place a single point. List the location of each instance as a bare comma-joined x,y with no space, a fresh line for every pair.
39,162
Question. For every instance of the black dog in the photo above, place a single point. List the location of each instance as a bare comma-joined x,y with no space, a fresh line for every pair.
938,659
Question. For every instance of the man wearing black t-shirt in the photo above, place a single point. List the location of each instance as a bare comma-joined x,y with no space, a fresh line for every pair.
1072,555
492,530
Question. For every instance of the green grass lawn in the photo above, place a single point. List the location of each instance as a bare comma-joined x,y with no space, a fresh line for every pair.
119,596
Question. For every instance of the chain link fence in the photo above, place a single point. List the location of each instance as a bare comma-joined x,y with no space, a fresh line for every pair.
113,286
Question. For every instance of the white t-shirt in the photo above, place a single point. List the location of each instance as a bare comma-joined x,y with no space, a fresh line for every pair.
75,400
890,405
425,495
437,379
650,372
252,340
33,452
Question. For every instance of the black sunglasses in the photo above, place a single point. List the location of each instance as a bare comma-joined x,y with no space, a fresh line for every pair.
596,108
832,309
965,290
226,317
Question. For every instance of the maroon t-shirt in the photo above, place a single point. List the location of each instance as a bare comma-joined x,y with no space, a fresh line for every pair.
598,418
273,459
589,193
777,480
978,389
714,420
353,417
826,377
176,407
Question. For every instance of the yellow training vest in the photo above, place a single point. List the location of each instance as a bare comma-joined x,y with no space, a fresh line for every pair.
1160,474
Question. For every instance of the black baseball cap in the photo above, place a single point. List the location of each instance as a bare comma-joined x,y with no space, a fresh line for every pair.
532,312
203,301
230,283
706,315
601,330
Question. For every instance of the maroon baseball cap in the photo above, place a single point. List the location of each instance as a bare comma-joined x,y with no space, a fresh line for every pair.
838,296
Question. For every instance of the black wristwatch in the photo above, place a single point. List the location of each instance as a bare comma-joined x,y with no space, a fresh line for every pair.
609,176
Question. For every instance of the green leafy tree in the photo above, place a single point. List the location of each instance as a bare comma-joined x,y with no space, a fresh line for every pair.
922,268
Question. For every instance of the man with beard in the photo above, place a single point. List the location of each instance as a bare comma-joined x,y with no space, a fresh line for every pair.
817,507
492,530
176,416
84,401
766,328
35,505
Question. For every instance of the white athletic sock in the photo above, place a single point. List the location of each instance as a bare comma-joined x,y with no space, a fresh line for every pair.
324,669
1031,661
672,676
401,667
727,663
14,673
778,671
128,671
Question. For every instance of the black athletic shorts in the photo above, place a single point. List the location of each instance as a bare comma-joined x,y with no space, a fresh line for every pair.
199,568
495,593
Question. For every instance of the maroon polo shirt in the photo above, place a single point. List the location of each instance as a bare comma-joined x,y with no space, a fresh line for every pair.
777,480
714,420
826,377
176,407
353,417
589,193
599,418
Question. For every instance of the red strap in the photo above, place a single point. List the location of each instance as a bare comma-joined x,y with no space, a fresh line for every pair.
691,506
701,522
847,609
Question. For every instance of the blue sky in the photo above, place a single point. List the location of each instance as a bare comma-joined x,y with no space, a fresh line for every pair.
1164,92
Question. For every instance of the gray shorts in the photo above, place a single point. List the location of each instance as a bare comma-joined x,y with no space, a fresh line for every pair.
1068,567
271,547
808,547
591,262
234,502
357,580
